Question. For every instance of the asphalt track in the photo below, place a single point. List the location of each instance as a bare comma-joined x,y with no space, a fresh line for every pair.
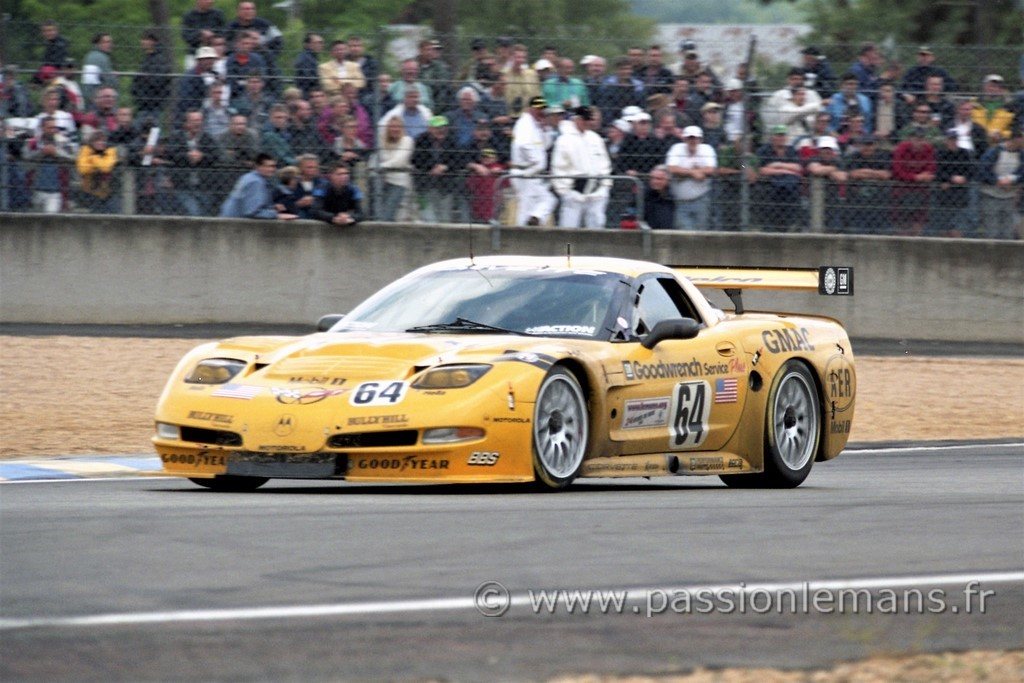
157,579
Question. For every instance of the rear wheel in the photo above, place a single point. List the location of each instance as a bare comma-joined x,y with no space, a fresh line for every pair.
231,483
792,431
560,429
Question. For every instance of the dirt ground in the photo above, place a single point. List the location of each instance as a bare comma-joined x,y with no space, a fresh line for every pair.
68,395
948,667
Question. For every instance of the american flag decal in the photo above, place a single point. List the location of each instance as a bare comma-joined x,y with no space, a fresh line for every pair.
240,391
725,391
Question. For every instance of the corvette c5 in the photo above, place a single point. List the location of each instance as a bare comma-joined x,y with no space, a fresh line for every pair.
524,369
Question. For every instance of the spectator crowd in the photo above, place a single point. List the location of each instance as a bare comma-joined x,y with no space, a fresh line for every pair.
242,130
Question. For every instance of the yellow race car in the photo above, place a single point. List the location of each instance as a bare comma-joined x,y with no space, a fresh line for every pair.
524,369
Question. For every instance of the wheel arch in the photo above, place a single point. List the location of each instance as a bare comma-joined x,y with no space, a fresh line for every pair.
819,390
595,400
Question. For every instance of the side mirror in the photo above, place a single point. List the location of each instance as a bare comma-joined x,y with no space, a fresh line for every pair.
678,328
327,322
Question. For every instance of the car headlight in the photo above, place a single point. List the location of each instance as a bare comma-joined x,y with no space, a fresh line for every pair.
215,371
451,376
166,431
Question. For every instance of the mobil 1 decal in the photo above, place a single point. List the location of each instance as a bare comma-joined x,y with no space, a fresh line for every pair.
688,419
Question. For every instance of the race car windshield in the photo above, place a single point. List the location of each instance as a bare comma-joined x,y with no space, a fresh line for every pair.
539,302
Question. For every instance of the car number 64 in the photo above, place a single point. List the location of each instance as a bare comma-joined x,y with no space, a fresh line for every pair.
378,394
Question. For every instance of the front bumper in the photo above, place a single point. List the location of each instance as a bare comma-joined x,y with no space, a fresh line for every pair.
503,454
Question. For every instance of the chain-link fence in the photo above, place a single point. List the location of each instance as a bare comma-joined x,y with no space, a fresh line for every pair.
239,120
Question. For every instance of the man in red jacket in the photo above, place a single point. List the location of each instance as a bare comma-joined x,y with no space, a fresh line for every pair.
913,169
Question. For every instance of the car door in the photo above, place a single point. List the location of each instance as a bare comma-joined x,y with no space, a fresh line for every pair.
684,394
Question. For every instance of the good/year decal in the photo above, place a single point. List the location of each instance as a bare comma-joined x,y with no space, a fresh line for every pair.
691,407
378,394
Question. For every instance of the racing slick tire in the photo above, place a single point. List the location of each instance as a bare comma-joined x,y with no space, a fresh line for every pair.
560,430
231,483
792,431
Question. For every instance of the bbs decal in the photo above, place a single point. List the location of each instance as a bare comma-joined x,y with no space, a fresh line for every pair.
688,423
378,394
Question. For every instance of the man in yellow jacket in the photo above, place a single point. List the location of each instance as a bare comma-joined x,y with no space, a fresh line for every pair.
96,162
340,69
991,111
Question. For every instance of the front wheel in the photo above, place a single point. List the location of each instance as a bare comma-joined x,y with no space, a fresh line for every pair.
560,429
231,483
792,431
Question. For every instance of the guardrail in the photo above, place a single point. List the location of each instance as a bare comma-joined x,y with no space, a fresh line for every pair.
163,270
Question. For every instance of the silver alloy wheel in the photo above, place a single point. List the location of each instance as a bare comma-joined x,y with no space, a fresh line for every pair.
560,426
795,421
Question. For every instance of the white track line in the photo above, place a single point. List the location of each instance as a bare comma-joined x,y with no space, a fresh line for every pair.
906,449
466,604
78,480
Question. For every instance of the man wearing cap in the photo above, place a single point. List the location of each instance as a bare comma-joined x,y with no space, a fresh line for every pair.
734,116
827,165
991,111
692,165
564,88
577,162
521,80
534,202
641,150
436,161
868,190
711,124
1001,173
954,170
915,79
818,72
192,86
435,73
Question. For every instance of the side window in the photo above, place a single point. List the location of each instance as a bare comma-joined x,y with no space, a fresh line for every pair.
660,299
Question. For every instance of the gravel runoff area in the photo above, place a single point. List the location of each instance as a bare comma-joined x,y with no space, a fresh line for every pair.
951,667
65,395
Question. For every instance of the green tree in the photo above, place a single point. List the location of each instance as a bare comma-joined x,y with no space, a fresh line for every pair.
944,22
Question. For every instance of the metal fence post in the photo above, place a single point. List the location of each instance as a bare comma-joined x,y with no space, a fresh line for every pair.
128,188
817,195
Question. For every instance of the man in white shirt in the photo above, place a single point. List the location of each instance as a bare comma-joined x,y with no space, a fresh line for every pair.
692,165
774,111
413,114
534,201
579,159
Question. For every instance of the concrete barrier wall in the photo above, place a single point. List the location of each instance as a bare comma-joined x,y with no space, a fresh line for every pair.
100,269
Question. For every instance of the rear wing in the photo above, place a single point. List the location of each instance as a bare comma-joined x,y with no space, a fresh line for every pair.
826,280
